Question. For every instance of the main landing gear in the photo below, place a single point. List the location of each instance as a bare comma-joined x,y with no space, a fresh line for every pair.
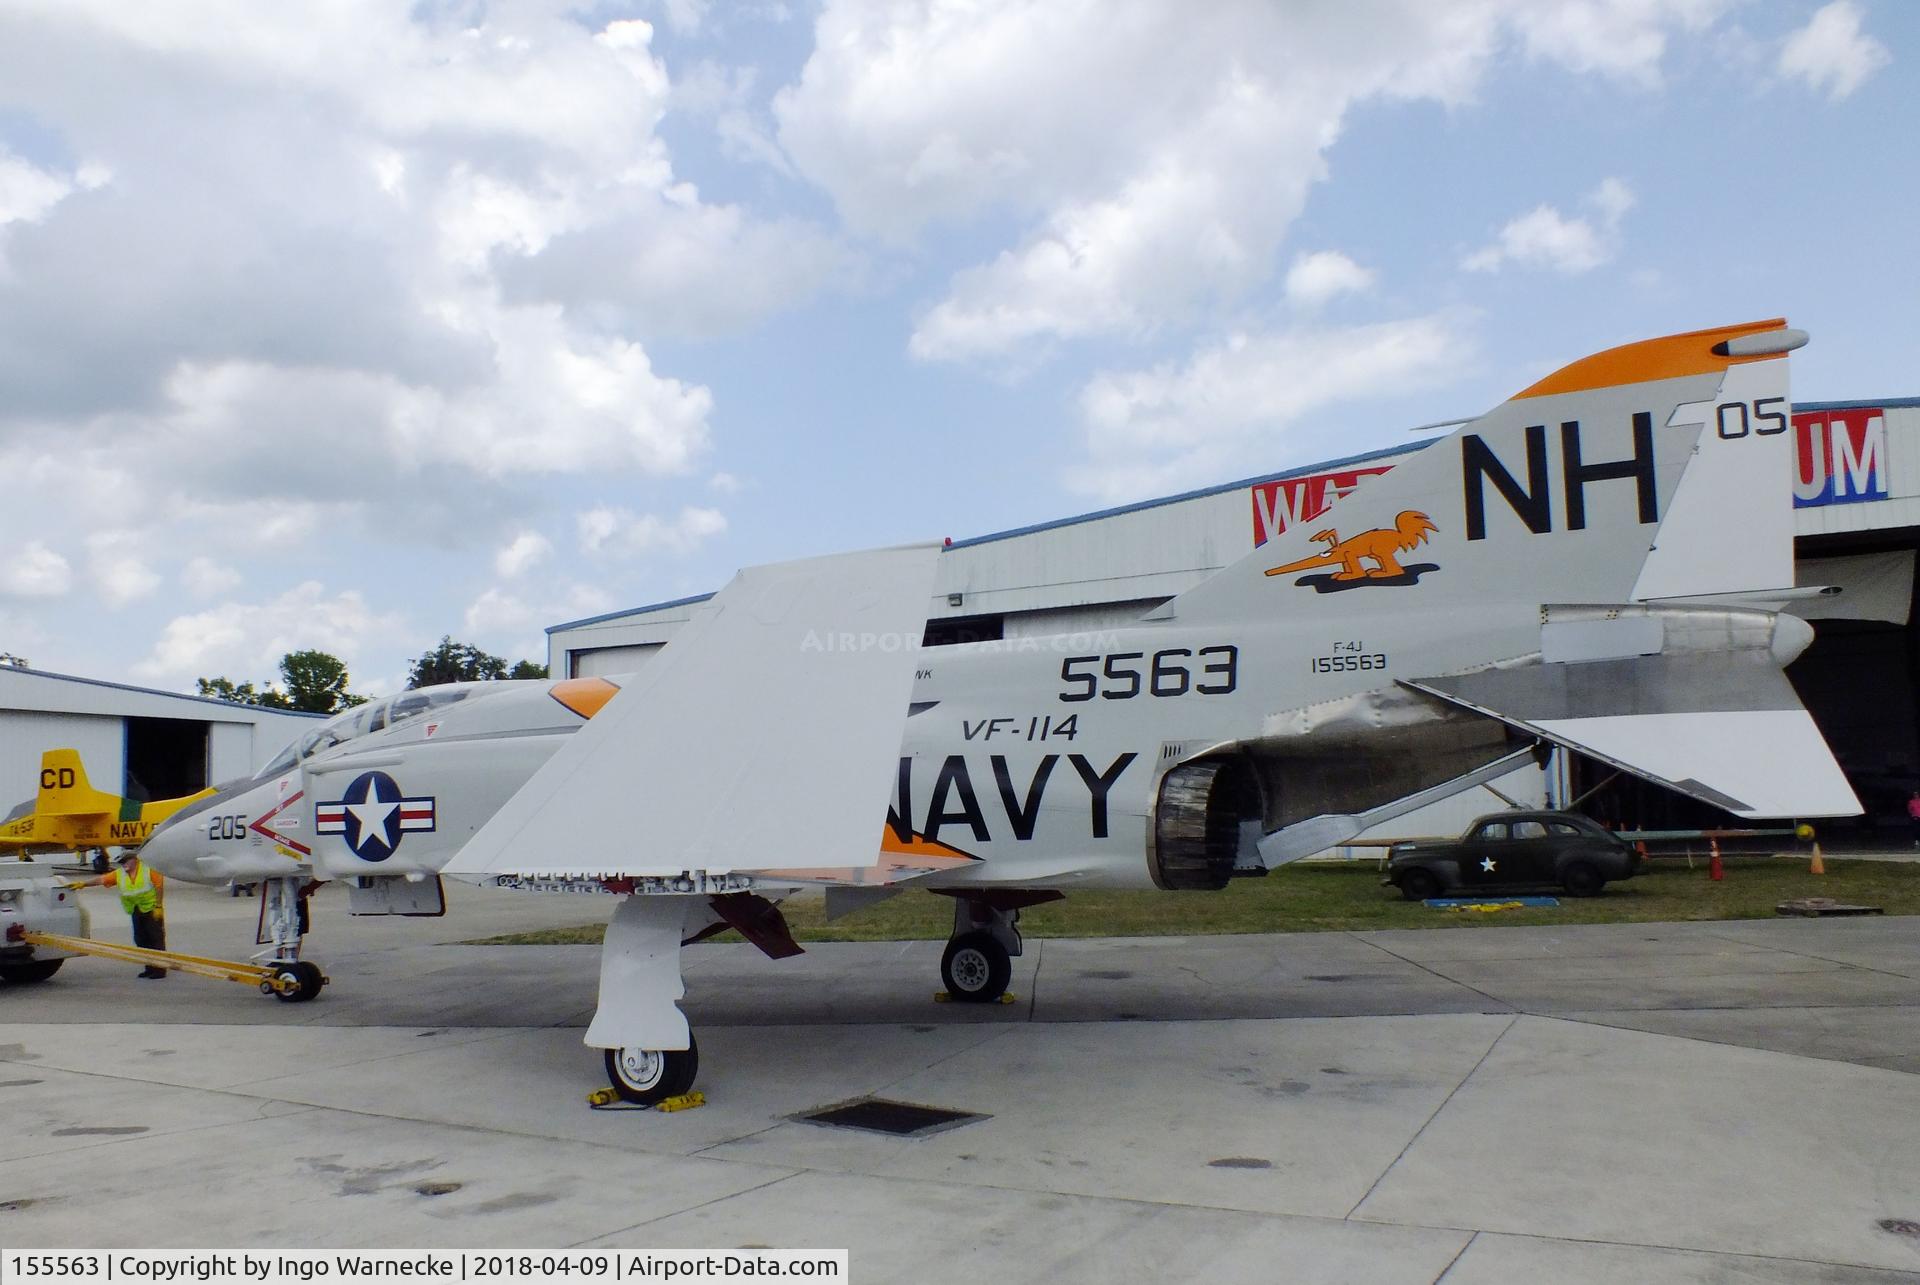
648,1047
978,963
648,1076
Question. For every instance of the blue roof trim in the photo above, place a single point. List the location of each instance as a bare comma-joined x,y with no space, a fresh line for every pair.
1885,403
630,611
155,691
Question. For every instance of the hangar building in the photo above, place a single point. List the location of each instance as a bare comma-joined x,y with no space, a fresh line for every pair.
1856,496
134,741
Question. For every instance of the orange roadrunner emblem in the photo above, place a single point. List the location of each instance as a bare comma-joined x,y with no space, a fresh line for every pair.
1382,546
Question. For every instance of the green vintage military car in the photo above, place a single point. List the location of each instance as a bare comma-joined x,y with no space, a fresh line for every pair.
1509,851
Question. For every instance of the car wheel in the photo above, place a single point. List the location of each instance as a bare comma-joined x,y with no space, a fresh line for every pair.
33,970
1419,883
1582,879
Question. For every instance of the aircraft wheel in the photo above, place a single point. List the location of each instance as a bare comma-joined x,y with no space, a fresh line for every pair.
33,970
647,1076
976,968
1419,883
307,978
1582,879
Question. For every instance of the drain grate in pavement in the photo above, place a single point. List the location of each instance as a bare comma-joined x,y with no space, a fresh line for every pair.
900,1119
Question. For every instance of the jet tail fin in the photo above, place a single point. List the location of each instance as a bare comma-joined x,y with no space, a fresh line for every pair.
1627,476
65,790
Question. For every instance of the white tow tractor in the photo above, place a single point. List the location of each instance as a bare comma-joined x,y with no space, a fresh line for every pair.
35,900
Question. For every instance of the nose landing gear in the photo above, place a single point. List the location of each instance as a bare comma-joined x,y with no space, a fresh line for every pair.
283,925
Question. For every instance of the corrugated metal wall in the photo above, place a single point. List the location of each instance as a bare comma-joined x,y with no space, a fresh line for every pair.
24,734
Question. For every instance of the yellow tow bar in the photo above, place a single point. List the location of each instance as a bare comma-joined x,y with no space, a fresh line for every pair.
284,980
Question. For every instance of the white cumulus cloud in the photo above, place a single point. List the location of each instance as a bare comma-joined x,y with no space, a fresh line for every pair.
1543,237
27,192
514,623
526,551
1621,39
1150,162
245,640
33,570
621,533
1152,430
1831,54
1315,278
204,578
115,560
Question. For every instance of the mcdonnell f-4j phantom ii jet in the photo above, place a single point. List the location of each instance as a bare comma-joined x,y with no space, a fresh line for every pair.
1597,564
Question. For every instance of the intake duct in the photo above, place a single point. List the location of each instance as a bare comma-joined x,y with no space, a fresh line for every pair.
1197,823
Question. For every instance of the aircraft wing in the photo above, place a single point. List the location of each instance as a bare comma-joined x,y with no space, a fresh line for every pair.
1721,724
765,737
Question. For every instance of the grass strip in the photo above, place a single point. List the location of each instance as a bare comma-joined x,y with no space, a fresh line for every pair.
1347,897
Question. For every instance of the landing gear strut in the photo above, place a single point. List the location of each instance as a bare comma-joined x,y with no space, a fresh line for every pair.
283,924
649,1050
978,963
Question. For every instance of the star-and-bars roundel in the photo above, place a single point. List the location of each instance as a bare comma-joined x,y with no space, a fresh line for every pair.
373,816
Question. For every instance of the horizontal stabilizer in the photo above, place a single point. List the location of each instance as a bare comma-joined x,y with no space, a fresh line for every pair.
1723,727
764,737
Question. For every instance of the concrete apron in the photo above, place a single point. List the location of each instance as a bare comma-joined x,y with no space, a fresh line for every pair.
1387,1106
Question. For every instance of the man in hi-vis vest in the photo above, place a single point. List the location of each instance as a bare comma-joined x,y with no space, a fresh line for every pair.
141,893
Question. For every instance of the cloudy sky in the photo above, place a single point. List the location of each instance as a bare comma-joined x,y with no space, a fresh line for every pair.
349,324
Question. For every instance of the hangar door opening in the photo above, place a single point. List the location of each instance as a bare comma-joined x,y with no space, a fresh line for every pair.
166,758
598,662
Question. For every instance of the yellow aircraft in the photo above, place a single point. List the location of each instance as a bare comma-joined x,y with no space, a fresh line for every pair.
69,815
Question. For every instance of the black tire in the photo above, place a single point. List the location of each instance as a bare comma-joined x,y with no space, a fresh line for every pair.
32,970
647,1076
1419,883
976,968
1582,879
308,979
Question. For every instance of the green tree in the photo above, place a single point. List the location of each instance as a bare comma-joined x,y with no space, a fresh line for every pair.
455,662
226,689
452,662
316,682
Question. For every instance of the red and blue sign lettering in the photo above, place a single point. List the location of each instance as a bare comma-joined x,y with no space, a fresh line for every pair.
1840,457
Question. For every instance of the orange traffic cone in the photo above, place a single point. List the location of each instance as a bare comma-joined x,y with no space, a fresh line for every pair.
1715,871
1819,867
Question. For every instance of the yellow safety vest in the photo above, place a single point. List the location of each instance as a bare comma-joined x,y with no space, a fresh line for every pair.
137,894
